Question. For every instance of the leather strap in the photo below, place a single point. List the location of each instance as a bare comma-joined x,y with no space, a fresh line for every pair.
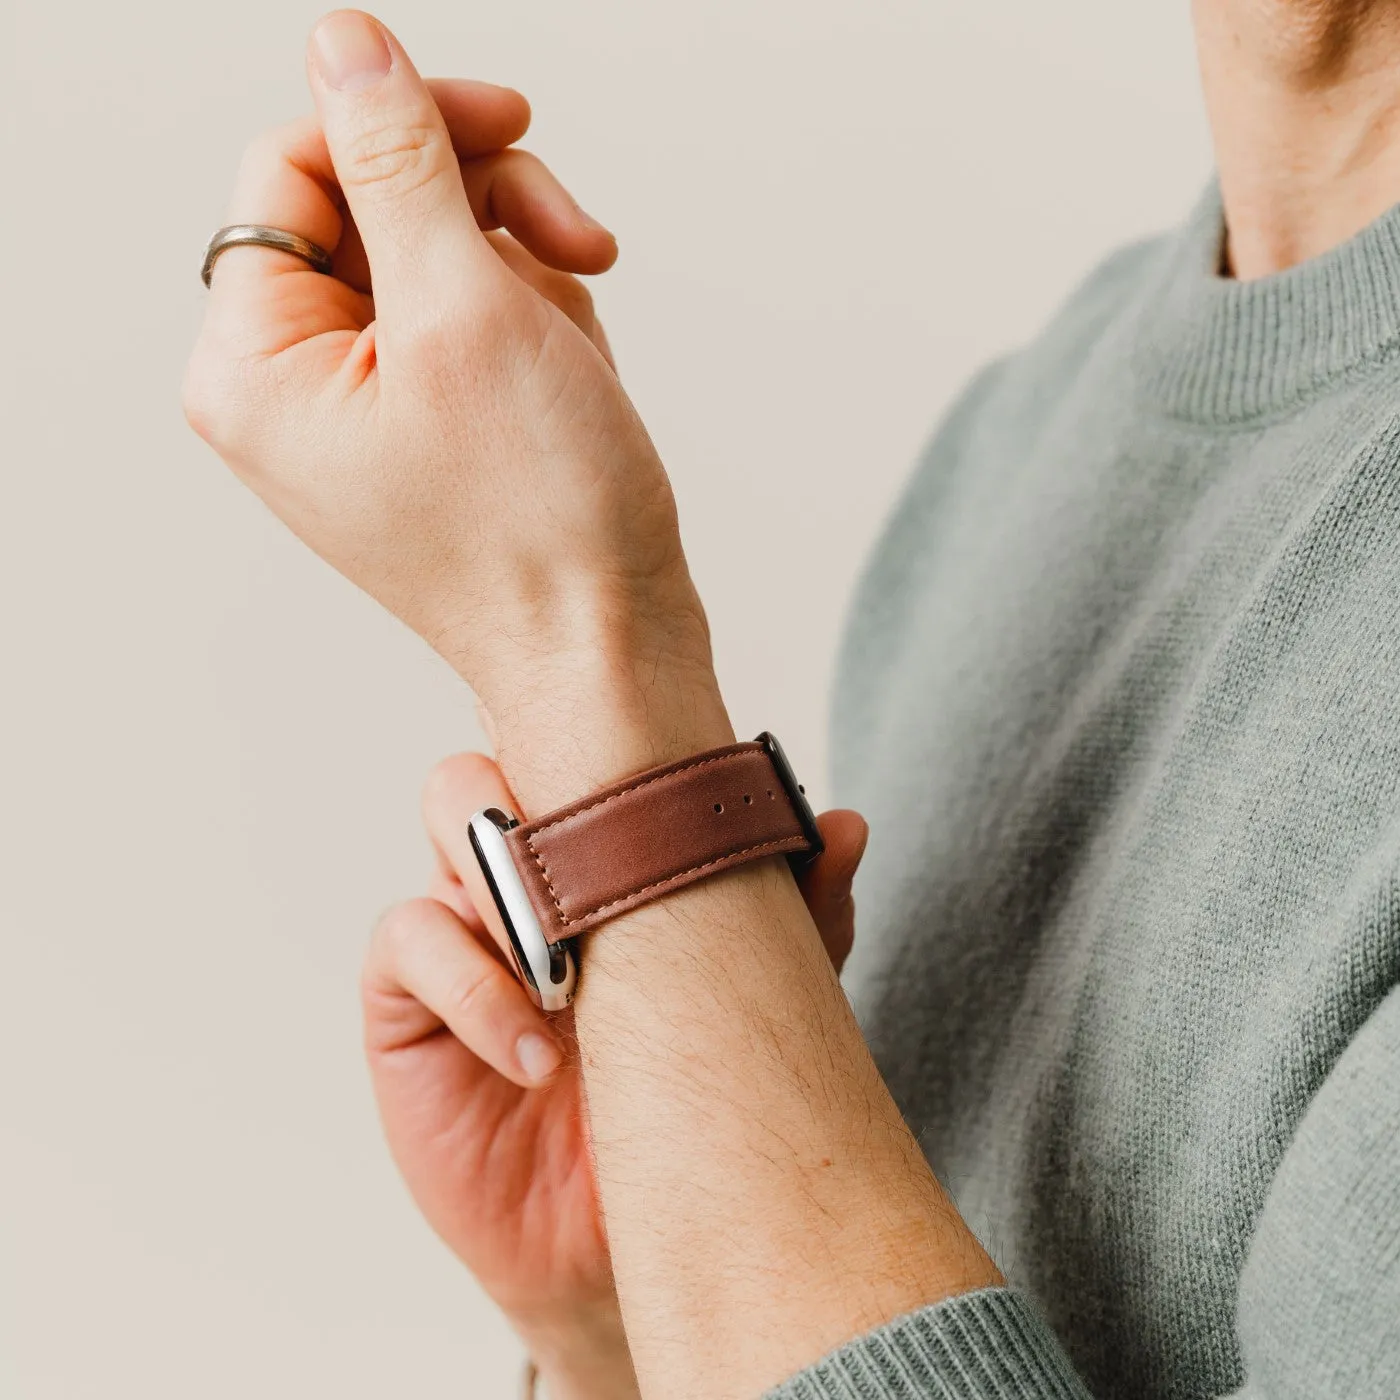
659,831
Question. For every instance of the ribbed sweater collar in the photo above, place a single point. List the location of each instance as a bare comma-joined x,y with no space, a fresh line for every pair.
1215,350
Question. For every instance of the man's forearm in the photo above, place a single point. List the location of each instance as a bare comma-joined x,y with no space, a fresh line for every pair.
764,1200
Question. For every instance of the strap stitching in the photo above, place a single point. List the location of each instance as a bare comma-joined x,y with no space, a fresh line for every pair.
644,781
563,917
638,786
655,884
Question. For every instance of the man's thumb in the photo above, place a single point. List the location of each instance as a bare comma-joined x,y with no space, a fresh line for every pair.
394,160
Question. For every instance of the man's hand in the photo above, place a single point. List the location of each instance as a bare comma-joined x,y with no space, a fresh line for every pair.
481,1097
439,431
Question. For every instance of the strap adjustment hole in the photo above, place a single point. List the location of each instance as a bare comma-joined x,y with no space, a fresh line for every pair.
719,806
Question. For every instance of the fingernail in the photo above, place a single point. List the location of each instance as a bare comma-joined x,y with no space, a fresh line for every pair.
538,1055
350,50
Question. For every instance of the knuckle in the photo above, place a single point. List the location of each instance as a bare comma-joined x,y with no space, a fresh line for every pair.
471,990
573,299
270,148
517,158
437,786
518,170
452,778
398,158
219,395
401,926
198,402
210,397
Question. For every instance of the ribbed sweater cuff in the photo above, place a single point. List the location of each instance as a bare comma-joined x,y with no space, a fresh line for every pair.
988,1345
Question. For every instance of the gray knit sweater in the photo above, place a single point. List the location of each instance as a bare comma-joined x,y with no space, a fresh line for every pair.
1121,700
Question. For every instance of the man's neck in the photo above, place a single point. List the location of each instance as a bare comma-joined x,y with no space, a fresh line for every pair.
1304,102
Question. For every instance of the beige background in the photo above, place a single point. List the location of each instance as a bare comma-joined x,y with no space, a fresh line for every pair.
830,211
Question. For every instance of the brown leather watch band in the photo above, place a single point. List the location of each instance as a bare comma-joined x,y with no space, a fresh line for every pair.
659,831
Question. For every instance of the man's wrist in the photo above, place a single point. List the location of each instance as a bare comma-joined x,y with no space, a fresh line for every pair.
625,689
556,750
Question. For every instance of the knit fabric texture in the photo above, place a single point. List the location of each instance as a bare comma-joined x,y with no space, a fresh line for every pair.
1120,697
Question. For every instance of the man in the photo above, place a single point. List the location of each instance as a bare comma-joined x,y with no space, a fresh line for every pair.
1119,702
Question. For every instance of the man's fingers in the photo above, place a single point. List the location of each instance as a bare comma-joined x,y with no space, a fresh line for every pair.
284,180
395,164
480,117
826,883
456,789
287,178
424,955
517,191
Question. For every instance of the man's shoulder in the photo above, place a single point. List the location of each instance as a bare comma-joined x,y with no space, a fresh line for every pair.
1011,395
996,418
1013,391
1115,282
1105,304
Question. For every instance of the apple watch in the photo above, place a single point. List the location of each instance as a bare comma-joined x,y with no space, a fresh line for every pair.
571,870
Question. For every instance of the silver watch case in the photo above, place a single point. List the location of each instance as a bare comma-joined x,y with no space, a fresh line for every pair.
547,969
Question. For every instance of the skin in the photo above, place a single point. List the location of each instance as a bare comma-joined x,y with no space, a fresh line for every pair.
441,421
497,1159
1305,118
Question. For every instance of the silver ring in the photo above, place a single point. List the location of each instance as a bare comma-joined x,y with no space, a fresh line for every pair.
263,236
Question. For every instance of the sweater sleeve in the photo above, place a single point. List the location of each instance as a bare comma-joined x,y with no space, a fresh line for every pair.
1318,1311
988,1345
